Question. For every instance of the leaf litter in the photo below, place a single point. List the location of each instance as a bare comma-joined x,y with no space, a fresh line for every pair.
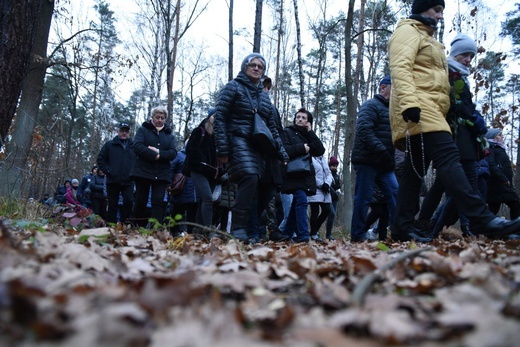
118,287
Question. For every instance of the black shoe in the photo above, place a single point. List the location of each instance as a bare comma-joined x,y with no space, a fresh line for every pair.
514,237
277,235
501,228
414,235
330,238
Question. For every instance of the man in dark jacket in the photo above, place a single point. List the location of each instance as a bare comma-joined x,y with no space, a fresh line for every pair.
500,184
116,159
373,158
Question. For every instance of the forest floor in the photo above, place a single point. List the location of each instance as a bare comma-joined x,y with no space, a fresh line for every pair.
124,287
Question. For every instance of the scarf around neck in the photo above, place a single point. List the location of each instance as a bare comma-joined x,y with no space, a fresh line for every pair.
460,68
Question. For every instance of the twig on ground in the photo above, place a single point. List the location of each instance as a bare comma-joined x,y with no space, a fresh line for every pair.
363,287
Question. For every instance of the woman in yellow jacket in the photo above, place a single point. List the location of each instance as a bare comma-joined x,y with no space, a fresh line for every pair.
418,106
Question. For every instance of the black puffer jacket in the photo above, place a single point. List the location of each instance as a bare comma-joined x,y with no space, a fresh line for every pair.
145,164
373,135
499,166
117,160
272,171
293,141
234,122
201,156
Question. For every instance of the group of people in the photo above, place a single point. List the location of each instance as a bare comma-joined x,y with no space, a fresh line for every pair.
425,109
221,154
240,160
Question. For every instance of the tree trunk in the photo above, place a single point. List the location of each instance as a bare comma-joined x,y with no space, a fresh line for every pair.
18,23
14,172
299,50
351,118
278,53
337,127
257,40
359,57
230,46
176,37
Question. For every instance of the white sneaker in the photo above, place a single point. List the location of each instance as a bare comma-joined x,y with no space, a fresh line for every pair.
372,235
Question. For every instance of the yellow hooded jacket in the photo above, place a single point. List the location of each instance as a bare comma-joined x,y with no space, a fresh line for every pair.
419,74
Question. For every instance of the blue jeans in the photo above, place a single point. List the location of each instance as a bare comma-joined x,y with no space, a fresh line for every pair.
286,205
366,178
205,193
330,220
297,221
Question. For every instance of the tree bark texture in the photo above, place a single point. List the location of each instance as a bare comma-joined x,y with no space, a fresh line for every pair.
18,23
351,117
230,46
257,40
15,170
299,50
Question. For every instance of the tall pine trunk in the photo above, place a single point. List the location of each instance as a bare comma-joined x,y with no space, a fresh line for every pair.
351,118
230,46
257,39
299,50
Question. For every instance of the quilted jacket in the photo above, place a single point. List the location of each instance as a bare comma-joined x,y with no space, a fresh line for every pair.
234,122
419,74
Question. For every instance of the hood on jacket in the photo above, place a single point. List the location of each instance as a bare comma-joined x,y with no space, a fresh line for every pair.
148,125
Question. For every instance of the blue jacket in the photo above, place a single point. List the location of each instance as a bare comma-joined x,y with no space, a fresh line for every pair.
145,164
188,195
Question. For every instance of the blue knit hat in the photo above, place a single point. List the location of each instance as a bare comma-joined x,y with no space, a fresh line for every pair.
212,111
250,57
386,81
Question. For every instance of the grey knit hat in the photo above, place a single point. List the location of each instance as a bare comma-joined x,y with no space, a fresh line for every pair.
462,44
492,133
250,57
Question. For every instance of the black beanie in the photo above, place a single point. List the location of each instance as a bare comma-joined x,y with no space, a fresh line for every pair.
419,6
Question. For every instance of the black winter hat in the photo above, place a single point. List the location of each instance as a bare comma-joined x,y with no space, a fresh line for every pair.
419,6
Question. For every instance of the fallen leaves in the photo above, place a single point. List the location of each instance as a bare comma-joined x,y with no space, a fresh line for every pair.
120,287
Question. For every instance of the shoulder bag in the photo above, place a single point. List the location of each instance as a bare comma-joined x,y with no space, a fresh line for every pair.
177,185
299,166
261,136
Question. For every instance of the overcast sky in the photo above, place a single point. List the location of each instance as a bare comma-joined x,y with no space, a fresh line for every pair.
212,27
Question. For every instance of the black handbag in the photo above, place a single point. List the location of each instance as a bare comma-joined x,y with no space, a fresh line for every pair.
261,137
299,166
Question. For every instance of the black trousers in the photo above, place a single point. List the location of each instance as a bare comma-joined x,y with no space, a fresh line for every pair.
145,189
127,193
442,152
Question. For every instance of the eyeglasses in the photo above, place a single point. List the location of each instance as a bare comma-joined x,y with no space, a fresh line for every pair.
258,66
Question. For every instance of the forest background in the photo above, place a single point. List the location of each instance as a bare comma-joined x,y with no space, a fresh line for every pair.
72,70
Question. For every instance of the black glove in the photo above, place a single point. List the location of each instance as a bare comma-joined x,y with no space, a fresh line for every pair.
325,188
412,114
386,159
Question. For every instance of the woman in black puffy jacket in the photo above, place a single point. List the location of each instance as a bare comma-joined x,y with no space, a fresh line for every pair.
300,140
237,104
154,146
